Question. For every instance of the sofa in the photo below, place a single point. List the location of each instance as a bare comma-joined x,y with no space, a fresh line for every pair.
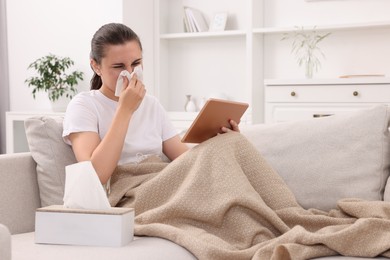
322,160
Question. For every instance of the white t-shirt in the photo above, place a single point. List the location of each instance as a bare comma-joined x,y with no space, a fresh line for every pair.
149,126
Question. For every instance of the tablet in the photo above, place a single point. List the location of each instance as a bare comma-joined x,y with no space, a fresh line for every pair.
215,114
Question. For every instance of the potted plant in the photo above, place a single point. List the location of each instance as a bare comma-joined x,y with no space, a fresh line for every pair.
306,50
53,77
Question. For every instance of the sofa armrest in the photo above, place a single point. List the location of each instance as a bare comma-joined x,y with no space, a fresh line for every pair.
5,243
386,195
19,193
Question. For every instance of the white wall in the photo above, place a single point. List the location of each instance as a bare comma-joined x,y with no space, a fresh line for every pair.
346,52
62,27
138,15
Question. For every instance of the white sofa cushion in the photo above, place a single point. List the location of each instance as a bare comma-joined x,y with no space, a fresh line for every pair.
325,159
154,248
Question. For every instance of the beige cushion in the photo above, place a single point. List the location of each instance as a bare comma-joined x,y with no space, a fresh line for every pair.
44,136
325,159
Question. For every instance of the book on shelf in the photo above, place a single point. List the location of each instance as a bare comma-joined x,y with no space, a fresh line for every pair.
194,20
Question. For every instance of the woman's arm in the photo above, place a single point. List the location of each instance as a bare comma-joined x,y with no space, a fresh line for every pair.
173,147
105,154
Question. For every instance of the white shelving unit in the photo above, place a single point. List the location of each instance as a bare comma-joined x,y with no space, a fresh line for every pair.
229,62
215,63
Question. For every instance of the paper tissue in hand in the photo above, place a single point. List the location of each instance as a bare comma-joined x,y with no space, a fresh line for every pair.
119,83
86,218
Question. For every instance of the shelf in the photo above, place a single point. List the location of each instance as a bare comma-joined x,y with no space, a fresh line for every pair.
334,81
202,35
334,27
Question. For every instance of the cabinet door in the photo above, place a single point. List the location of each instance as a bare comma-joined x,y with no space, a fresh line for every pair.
277,112
353,93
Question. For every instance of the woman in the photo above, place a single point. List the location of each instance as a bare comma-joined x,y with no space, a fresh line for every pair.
109,130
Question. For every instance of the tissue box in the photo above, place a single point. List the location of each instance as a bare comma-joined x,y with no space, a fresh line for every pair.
58,225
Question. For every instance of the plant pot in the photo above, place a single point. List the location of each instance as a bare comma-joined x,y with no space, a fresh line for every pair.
60,104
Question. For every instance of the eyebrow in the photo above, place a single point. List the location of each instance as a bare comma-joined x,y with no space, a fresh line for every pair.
134,62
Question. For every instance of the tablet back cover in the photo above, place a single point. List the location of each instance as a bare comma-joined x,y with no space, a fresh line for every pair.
214,114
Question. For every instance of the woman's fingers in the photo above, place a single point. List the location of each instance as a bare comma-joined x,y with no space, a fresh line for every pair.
233,127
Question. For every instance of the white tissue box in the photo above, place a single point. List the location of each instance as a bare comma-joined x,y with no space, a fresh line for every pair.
58,225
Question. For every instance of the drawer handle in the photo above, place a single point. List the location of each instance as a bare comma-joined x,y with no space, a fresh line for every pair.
355,93
321,115
293,93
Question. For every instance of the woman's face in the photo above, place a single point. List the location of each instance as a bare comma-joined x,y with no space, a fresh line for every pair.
117,58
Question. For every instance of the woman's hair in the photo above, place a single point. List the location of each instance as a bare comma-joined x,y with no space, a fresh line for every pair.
109,34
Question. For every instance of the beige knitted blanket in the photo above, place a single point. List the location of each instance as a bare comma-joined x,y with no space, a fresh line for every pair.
221,200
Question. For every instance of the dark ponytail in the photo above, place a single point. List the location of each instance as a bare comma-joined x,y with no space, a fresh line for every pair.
109,34
96,81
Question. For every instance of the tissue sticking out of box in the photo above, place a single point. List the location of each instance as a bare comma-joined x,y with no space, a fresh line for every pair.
83,189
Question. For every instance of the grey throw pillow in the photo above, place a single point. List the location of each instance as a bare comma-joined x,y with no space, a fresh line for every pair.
325,159
44,136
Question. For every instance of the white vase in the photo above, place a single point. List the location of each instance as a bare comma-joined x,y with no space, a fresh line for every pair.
309,68
190,104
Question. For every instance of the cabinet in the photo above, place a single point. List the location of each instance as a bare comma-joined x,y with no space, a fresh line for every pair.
289,100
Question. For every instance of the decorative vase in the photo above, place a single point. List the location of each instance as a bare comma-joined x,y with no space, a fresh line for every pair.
309,68
190,104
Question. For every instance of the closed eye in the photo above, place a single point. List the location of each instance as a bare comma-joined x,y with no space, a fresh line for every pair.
136,62
116,66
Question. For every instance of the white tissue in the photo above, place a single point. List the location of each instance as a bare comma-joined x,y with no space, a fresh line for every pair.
119,83
83,189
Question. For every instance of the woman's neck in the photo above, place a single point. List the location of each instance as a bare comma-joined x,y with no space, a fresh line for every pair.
108,93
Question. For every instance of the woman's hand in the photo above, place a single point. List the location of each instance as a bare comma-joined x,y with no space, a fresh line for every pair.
132,94
233,127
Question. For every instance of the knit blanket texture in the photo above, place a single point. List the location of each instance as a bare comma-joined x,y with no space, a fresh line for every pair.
222,200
